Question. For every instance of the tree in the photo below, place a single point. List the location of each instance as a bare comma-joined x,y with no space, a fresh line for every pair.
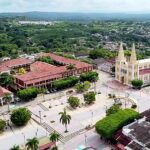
102,53
65,119
6,80
89,76
89,98
70,67
22,71
113,109
54,137
82,87
112,123
46,59
32,144
15,147
20,116
28,94
74,101
136,83
7,97
2,125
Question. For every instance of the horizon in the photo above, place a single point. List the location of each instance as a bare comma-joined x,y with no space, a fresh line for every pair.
76,6
80,12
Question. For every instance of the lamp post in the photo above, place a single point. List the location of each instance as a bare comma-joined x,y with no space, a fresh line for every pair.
46,131
24,139
36,133
40,116
85,136
92,117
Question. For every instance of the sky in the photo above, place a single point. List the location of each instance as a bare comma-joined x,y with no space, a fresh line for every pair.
135,6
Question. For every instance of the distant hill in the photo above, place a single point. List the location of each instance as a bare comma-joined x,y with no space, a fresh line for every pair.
78,16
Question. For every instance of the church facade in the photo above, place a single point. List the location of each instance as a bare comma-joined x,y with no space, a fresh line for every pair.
127,70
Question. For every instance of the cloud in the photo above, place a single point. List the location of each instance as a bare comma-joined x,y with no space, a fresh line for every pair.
75,5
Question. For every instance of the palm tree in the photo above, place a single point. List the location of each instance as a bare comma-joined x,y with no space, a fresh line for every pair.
32,144
65,119
6,80
7,97
54,137
15,147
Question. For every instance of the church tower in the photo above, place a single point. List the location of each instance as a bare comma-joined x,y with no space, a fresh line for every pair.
121,66
133,65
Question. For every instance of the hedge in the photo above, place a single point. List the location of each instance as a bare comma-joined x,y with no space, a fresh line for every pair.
28,94
65,83
89,76
112,123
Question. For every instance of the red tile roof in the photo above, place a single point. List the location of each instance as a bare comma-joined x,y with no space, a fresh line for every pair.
42,66
66,61
144,71
41,71
16,62
39,75
4,68
3,91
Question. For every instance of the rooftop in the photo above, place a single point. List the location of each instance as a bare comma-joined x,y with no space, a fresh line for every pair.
43,71
42,66
144,61
146,114
65,61
16,62
139,132
4,68
3,91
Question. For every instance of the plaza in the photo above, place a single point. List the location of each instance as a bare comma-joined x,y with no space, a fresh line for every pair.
45,109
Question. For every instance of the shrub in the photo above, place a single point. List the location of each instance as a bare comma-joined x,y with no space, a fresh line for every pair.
2,125
113,109
82,87
112,123
89,97
137,83
74,101
20,116
89,76
28,94
65,83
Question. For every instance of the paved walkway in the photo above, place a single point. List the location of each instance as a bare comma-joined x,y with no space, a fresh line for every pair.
88,139
18,136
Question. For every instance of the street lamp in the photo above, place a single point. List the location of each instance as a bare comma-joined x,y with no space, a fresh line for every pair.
40,116
24,138
91,116
36,133
46,131
85,136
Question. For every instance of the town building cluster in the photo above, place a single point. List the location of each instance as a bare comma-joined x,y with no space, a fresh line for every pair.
41,74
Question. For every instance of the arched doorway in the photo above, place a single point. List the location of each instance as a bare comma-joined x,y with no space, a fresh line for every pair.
122,80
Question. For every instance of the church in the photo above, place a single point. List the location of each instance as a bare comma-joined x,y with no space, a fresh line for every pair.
128,69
